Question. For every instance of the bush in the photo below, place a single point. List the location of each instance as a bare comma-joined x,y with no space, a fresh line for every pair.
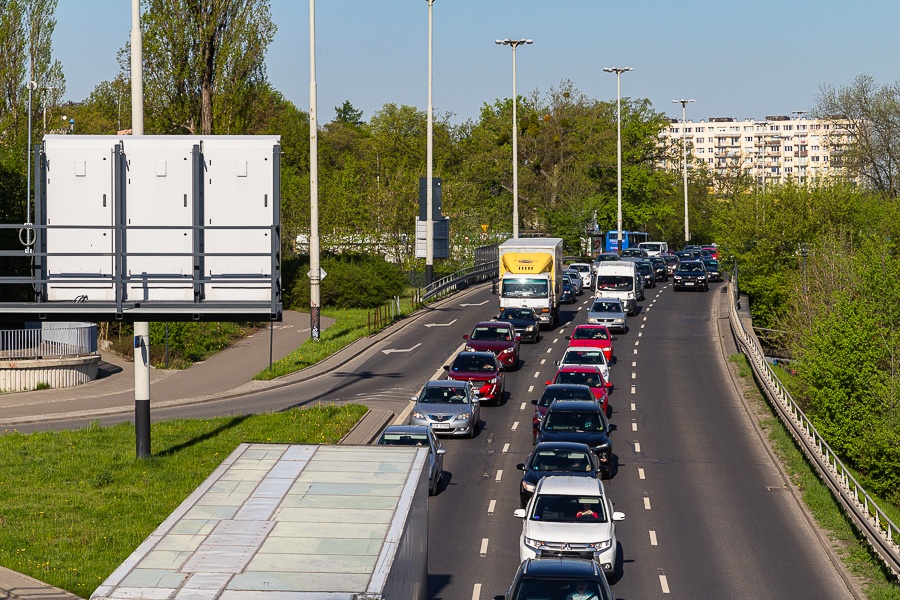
352,281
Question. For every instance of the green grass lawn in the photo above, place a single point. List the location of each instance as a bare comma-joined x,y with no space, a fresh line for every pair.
75,504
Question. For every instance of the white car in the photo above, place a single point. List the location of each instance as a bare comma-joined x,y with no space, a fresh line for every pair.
570,517
585,356
586,272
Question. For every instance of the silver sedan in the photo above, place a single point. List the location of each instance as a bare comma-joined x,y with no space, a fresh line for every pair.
449,407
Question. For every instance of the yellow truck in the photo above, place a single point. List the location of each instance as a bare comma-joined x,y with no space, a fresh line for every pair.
530,276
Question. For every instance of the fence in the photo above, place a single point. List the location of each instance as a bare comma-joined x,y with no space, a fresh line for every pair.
48,342
871,520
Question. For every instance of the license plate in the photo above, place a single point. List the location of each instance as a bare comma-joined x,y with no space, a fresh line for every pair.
688,283
440,426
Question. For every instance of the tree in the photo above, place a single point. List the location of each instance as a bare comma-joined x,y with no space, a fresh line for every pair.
346,114
204,63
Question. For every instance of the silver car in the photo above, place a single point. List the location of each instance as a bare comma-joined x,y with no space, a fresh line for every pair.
450,407
416,435
609,312
577,281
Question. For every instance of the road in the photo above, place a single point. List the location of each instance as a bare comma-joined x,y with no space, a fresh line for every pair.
708,514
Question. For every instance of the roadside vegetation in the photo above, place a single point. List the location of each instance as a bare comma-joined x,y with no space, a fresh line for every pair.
75,504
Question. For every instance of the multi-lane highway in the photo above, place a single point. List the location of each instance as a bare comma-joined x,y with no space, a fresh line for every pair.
708,514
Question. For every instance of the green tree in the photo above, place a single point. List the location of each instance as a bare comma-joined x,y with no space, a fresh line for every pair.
346,114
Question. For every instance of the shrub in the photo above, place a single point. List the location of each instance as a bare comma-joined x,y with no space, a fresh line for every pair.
352,281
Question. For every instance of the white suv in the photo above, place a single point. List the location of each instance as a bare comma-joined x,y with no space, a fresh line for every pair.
570,517
586,272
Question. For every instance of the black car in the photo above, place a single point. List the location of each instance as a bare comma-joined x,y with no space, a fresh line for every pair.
660,268
691,275
671,263
568,291
712,267
557,391
683,255
558,578
555,458
579,421
645,270
524,320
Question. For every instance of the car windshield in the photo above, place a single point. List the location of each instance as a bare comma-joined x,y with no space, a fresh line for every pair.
569,509
644,268
517,313
670,259
524,288
606,307
491,334
471,362
560,461
614,282
579,378
580,268
564,393
590,333
565,420
691,268
711,264
403,439
443,395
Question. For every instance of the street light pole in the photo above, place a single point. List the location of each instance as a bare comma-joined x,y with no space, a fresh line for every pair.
618,71
515,140
315,271
429,175
684,103
31,87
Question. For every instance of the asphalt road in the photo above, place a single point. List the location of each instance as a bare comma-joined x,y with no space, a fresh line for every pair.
707,511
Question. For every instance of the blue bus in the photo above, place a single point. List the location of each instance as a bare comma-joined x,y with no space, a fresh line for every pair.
629,239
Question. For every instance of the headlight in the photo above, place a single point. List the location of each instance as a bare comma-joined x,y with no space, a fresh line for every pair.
528,487
619,321
491,381
601,546
601,448
678,278
529,328
417,415
533,543
508,350
469,348
463,416
701,277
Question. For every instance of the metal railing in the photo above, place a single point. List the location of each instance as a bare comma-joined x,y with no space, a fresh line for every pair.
459,280
872,521
57,342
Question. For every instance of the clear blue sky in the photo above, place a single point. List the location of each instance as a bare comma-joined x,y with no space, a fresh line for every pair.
737,59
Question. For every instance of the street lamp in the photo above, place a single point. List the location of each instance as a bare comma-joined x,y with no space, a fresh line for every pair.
618,71
684,103
429,174
31,87
515,142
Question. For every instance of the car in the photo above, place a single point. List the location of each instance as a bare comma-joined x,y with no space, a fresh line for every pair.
692,248
671,263
712,269
659,268
577,282
585,375
645,270
571,517
579,421
552,578
635,252
713,251
418,435
557,391
654,248
449,407
497,337
609,312
555,458
691,275
583,356
685,255
483,370
525,322
568,291
605,257
586,272
593,336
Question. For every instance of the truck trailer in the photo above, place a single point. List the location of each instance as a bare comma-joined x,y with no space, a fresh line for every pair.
531,276
304,522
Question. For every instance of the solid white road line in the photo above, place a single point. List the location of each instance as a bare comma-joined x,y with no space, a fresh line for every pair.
664,584
653,538
646,503
499,475
491,506
641,473
484,545
505,448
476,591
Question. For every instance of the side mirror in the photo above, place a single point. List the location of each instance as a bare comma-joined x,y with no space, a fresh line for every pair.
466,336
519,512
441,451
608,384
556,362
568,337
618,516
548,382
534,402
615,339
613,426
446,367
520,466
413,398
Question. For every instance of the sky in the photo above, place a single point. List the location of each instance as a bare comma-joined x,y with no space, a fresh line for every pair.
735,59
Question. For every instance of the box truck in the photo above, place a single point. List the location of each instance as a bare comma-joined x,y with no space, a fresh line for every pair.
531,276
291,521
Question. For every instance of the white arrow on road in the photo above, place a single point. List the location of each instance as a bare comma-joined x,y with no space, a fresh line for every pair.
392,350
479,304
440,324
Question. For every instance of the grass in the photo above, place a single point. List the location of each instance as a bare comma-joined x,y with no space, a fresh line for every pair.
852,547
75,504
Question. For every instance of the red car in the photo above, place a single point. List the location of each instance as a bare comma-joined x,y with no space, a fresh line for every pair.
713,251
593,336
497,337
483,369
585,375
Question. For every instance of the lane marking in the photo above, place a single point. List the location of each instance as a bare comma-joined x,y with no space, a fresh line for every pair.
549,350
524,404
505,448
515,426
664,584
476,591
536,374
633,406
646,503
641,473
637,342
633,364
635,350
653,538
401,350
484,545
530,389
633,428
555,340
543,360
491,506
499,475
430,325
637,446
562,331
633,375
633,389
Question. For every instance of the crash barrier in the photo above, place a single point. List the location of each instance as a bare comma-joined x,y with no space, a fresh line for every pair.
460,280
871,520
48,342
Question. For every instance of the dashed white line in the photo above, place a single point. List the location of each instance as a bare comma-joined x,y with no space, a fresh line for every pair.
555,339
633,389
646,503
635,350
515,425
664,584
637,446
645,318
562,331
506,447
633,406
633,364
633,428
641,473
524,404
643,325
543,360
530,389
537,374
637,342
499,475
640,333
653,538
476,591
484,545
633,375
549,350
491,506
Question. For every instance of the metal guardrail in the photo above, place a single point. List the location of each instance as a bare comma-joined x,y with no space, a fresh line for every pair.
58,342
462,278
871,520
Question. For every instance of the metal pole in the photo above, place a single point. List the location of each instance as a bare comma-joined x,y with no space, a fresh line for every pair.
141,329
618,71
315,272
515,139
31,86
684,103
429,181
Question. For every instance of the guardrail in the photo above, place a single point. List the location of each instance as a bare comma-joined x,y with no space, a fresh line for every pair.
57,342
871,520
462,278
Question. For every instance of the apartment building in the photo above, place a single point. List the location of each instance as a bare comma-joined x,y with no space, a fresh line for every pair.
773,150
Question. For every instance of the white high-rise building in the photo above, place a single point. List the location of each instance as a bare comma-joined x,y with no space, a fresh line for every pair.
773,150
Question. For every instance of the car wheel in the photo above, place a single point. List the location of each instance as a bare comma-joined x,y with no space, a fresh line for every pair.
472,430
706,288
432,491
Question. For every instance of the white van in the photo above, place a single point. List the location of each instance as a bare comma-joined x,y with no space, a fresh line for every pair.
655,248
620,279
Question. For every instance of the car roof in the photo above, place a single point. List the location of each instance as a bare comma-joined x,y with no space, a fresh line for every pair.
590,326
570,485
446,383
606,299
560,446
562,386
417,429
578,368
560,568
501,324
477,354
574,405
